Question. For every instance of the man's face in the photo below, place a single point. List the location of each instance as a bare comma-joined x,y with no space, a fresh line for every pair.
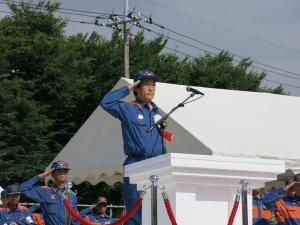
102,207
146,90
291,192
297,188
257,192
60,175
4,200
13,199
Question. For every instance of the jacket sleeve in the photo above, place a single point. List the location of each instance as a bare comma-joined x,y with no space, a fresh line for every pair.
112,103
2,218
33,208
271,197
84,212
32,191
26,219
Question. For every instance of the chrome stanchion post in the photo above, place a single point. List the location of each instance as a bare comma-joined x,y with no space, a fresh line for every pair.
244,193
68,186
154,180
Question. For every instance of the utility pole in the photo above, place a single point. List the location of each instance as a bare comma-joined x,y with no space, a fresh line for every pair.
126,41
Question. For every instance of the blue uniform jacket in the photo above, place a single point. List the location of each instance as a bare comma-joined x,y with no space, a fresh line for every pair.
288,207
21,217
95,217
51,201
261,215
135,119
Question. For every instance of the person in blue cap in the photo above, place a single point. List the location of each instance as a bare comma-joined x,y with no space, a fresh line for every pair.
136,117
3,200
286,202
13,214
97,213
50,198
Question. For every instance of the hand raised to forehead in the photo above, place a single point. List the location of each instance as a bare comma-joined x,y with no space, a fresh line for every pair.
45,174
135,84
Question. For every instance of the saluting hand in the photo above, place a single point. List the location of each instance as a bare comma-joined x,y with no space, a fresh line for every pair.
93,206
135,84
287,187
45,174
13,223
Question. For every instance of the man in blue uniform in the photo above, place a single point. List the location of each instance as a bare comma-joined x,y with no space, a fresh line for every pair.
13,214
285,202
260,214
136,117
50,199
3,200
97,213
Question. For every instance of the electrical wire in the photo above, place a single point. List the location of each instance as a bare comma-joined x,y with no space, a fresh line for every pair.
223,27
206,51
64,9
219,49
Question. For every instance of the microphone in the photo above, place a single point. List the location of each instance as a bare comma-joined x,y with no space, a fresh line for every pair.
190,89
68,185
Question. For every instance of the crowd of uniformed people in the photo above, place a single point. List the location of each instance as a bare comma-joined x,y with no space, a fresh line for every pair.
50,209
280,206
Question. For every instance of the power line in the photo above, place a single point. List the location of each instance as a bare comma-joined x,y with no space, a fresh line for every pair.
185,36
66,9
219,49
180,52
5,12
223,27
206,51
283,84
98,15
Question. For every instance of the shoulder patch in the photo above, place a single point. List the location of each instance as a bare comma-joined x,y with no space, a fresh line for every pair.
49,188
134,102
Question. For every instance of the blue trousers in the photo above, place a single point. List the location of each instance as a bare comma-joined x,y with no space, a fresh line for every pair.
130,195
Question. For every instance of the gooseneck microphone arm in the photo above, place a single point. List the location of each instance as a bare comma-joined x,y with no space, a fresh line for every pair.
161,120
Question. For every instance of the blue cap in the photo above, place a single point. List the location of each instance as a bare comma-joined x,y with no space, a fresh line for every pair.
287,182
145,74
3,193
60,165
13,189
297,178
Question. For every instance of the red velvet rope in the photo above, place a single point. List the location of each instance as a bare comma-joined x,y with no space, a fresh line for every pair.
123,219
170,211
234,209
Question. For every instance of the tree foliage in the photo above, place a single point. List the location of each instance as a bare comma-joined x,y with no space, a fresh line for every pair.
63,77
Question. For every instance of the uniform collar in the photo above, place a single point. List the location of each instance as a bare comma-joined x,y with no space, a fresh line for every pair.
13,210
102,216
143,105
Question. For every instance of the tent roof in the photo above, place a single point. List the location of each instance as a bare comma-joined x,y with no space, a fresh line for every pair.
223,122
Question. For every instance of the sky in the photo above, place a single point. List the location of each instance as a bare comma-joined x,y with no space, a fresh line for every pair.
267,31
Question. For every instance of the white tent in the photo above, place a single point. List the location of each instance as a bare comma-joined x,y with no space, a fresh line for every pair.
223,122
1,189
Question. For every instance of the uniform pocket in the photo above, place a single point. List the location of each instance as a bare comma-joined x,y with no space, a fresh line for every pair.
138,122
139,127
52,207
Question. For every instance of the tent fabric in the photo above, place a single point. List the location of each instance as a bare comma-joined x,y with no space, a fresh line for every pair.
223,122
1,189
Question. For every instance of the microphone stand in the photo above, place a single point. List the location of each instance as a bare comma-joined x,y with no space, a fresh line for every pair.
163,124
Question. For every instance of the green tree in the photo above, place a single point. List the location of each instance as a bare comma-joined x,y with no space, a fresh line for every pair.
63,78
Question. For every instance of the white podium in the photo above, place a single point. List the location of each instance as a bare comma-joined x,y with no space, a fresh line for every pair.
201,188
